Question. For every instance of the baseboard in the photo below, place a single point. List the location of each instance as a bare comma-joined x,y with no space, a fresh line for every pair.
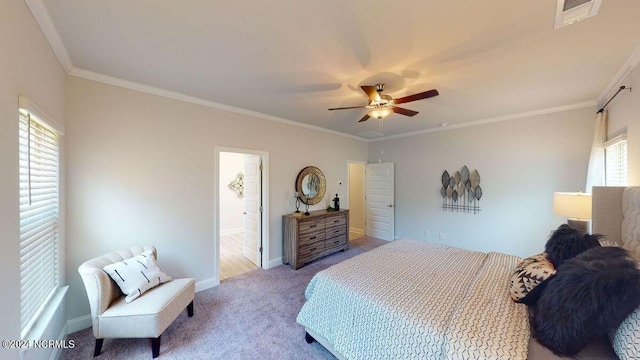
55,355
356,231
275,262
206,284
231,231
84,322
79,323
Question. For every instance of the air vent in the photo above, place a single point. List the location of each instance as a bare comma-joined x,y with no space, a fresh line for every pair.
572,11
570,4
370,134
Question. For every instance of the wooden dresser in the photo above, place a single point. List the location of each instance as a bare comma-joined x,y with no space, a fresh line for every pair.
307,238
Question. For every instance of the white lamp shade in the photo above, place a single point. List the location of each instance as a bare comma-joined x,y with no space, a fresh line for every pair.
576,206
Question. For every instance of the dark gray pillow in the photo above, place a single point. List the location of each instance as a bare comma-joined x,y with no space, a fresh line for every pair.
589,296
567,242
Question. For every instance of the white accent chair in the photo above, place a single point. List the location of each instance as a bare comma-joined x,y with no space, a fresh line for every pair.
146,317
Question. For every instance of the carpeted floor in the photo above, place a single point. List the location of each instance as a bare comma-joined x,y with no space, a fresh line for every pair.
250,316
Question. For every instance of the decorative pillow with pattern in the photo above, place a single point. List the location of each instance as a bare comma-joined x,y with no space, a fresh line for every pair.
136,275
529,277
608,243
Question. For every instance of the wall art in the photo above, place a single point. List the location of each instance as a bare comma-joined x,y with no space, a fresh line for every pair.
237,185
461,192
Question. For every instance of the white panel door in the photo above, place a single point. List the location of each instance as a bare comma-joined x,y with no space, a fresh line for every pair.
253,205
379,201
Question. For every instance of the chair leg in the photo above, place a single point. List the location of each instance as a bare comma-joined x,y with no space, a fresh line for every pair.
98,347
190,309
308,338
155,347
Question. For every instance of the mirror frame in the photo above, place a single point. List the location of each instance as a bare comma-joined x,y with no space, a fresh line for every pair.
321,189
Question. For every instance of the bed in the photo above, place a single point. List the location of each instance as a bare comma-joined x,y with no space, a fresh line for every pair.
410,299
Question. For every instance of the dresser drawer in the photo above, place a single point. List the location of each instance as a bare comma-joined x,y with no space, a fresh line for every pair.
311,237
311,226
336,243
336,231
310,251
336,221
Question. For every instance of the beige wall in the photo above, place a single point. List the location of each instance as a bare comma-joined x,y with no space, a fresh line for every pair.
521,163
141,170
27,67
624,114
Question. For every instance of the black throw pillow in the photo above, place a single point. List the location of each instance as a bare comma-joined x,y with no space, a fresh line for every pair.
589,296
567,242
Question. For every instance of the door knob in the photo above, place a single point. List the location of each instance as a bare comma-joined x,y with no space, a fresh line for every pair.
390,205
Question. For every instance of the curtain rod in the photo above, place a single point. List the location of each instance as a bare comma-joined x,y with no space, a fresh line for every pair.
614,95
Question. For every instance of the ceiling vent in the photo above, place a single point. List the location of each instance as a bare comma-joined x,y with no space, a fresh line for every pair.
571,11
370,134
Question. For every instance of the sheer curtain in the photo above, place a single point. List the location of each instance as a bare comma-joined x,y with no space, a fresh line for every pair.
595,171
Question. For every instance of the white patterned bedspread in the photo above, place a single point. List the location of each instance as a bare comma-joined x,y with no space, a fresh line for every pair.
411,299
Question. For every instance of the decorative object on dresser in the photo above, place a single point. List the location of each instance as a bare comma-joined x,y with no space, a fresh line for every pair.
311,237
297,203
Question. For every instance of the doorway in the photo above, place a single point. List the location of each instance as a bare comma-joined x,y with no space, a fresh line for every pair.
241,217
380,201
356,199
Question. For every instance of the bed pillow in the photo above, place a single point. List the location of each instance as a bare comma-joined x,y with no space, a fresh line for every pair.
589,296
626,338
136,275
605,242
567,242
530,277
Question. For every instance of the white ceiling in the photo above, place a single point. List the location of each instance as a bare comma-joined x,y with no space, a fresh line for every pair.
291,59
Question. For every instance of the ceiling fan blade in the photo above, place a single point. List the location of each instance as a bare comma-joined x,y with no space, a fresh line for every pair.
348,107
371,92
418,96
365,118
403,111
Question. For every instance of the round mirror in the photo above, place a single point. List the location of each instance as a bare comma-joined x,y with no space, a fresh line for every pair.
311,185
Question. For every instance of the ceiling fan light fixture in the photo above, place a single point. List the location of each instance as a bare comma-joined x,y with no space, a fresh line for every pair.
380,113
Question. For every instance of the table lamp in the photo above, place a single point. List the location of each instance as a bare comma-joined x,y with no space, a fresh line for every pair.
576,207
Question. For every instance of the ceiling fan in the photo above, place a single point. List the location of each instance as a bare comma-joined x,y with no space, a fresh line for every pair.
380,105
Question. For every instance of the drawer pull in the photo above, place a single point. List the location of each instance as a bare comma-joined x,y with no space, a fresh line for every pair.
335,221
313,237
314,249
312,226
337,241
336,231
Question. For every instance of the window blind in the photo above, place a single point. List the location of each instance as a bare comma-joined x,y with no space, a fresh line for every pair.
616,164
39,166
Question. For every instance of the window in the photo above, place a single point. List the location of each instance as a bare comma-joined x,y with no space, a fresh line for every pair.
39,203
616,161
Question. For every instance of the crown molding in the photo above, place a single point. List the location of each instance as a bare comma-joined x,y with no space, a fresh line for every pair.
551,110
90,75
42,17
622,73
